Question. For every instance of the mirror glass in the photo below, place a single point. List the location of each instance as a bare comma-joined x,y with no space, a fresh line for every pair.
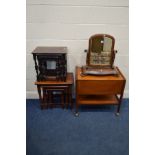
100,50
51,64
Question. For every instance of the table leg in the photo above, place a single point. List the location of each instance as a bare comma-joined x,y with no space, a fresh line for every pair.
45,102
49,98
40,97
71,97
62,99
67,96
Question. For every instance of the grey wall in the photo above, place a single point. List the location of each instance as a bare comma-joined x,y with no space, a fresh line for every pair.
70,23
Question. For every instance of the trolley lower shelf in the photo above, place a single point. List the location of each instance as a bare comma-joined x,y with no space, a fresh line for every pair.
98,99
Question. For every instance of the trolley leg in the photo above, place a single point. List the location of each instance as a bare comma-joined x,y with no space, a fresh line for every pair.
119,105
76,110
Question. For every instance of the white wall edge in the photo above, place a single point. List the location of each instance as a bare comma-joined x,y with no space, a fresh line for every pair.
32,95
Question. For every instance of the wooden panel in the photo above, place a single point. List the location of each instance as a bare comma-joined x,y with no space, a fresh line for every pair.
65,14
99,87
81,2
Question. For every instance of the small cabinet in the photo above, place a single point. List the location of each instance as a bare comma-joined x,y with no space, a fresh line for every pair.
50,63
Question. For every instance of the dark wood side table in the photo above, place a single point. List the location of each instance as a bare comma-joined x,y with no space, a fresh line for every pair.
64,88
99,90
50,63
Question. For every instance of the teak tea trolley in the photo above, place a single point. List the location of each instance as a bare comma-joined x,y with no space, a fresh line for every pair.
99,90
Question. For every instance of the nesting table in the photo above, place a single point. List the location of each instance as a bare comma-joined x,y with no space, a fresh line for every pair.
47,90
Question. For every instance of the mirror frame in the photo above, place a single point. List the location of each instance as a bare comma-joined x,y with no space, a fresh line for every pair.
112,57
